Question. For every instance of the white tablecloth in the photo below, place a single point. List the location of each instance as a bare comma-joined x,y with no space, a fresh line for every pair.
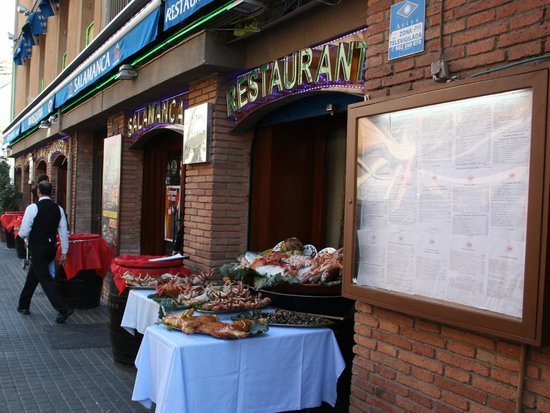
140,311
283,369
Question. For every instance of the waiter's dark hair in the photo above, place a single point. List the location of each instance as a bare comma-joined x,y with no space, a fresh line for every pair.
42,177
45,188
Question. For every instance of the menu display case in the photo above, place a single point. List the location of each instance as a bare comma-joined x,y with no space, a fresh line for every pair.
447,204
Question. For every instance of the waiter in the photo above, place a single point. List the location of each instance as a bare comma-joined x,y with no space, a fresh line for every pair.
41,223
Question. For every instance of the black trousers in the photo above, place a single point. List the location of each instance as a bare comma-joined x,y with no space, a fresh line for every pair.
39,274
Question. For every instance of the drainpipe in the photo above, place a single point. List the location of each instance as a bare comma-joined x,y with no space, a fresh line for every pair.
69,194
521,377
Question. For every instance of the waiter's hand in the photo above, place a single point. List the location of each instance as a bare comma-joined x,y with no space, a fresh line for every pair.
63,259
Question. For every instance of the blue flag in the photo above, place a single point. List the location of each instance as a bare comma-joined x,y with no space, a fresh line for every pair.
46,8
37,23
26,33
17,54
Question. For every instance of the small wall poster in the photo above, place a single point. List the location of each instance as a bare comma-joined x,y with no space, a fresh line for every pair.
196,133
171,210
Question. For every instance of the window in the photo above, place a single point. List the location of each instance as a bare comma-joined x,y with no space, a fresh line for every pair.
89,33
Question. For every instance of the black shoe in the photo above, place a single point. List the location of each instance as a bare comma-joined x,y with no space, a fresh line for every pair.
25,311
61,317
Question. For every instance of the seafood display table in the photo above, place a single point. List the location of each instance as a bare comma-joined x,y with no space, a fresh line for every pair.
281,370
140,312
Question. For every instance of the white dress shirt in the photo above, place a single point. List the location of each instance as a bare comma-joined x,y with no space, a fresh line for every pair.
28,219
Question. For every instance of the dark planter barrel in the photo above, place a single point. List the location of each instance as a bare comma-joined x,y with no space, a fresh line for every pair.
82,291
10,239
20,248
124,345
8,219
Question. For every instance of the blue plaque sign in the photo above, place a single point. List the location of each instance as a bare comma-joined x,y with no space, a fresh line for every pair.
407,22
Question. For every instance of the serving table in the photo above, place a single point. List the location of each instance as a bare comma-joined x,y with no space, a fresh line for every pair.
81,278
283,369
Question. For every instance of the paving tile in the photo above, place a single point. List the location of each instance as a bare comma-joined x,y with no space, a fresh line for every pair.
36,378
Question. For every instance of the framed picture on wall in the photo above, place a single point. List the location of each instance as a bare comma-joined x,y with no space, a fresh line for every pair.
197,130
112,155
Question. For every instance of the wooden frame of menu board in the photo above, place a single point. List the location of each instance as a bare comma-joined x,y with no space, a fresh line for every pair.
447,204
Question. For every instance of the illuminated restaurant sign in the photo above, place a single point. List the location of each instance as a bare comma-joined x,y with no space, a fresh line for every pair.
176,11
156,114
331,65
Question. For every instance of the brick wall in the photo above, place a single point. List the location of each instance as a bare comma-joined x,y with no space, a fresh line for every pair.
406,364
477,35
130,189
216,193
72,189
81,189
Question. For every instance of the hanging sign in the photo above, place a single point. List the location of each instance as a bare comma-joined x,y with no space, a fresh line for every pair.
159,113
176,11
407,23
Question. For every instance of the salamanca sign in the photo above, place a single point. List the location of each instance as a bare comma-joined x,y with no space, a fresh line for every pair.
330,65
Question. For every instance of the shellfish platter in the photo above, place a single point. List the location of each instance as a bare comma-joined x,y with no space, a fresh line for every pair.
289,262
214,298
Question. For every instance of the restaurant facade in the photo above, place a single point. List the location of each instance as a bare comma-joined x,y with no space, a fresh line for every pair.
234,120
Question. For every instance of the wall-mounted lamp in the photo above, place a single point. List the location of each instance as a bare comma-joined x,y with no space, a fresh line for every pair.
330,108
23,10
44,124
246,6
126,72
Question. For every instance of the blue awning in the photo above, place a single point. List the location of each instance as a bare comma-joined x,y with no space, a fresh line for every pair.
141,35
120,46
176,11
36,116
12,134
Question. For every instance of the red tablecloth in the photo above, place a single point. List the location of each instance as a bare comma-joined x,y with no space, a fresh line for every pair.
86,252
16,224
8,219
140,265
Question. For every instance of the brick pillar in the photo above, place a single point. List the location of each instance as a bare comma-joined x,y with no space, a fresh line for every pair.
217,193
82,146
131,183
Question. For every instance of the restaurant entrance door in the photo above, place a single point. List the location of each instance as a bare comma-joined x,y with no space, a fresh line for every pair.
160,155
298,182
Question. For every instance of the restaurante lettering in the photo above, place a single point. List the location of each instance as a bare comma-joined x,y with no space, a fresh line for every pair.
327,65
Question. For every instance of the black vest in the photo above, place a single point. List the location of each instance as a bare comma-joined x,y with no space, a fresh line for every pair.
44,227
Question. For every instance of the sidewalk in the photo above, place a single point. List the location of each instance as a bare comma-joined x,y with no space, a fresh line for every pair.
47,367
